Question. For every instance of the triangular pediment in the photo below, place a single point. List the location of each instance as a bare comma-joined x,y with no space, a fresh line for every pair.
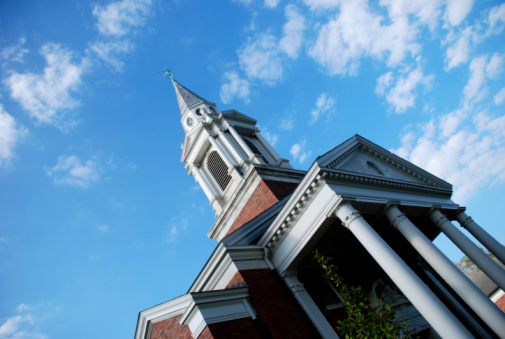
189,139
361,156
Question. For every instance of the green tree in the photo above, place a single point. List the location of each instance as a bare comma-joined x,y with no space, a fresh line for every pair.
364,320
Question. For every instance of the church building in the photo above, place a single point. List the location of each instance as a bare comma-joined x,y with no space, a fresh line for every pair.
373,212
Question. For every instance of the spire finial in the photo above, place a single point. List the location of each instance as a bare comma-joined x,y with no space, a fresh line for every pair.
169,74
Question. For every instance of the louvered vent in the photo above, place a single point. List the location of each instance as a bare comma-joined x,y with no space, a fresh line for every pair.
217,167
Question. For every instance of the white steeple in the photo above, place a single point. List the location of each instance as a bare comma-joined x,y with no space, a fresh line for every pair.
219,147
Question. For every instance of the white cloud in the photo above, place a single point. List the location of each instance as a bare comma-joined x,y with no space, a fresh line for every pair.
401,95
111,51
121,17
457,10
103,228
172,234
23,326
286,124
499,98
260,59
473,89
11,133
48,96
271,3
272,138
470,157
14,53
496,19
356,31
70,171
494,67
465,147
4,240
298,151
264,56
321,4
459,51
234,87
292,39
324,105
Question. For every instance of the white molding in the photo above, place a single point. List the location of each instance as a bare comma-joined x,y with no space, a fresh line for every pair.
215,307
160,312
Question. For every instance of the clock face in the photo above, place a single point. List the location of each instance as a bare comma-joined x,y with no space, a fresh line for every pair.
189,121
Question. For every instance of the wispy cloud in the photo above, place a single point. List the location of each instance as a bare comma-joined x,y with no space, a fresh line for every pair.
122,17
115,23
25,325
11,133
14,53
70,171
234,87
286,124
103,228
48,96
358,31
264,56
466,147
299,151
400,91
324,105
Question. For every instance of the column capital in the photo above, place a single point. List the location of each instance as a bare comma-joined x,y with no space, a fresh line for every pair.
464,219
393,213
346,213
437,217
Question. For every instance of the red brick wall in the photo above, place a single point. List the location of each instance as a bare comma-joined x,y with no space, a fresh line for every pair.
170,328
236,329
501,303
264,196
275,305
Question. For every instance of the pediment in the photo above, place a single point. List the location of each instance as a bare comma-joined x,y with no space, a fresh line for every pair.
189,139
360,156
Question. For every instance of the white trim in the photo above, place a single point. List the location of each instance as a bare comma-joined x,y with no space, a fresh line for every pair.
215,307
160,312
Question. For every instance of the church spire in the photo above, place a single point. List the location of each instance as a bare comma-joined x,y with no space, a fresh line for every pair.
186,98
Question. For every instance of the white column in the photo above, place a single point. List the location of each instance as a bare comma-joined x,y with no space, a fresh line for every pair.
313,312
467,290
481,259
230,147
481,235
203,183
240,141
432,309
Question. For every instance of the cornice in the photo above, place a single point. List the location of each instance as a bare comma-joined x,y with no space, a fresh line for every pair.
380,182
160,312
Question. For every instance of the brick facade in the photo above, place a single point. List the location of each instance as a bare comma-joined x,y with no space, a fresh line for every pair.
170,328
276,307
236,281
266,194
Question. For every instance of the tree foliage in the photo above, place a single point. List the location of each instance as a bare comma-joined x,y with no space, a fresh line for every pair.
468,267
363,319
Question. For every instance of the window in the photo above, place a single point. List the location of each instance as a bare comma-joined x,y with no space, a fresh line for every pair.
217,167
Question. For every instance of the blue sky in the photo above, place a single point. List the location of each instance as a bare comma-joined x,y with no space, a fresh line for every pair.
98,219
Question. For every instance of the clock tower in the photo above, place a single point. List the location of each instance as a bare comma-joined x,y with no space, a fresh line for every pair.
232,162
